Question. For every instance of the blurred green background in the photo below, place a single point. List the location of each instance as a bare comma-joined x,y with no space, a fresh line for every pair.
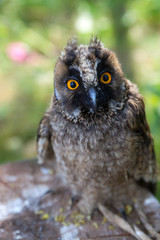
32,34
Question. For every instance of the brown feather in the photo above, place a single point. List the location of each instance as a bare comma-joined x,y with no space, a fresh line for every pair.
100,154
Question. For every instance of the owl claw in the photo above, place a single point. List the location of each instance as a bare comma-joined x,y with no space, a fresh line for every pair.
94,212
50,191
123,214
74,200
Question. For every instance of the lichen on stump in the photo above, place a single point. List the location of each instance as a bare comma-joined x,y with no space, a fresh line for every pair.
26,213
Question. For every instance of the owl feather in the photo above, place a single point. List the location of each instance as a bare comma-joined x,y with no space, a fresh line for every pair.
95,130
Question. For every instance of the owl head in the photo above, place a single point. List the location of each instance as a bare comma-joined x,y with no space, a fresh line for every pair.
88,80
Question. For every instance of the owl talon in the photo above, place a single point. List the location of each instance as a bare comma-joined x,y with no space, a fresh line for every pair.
50,191
94,213
74,200
123,214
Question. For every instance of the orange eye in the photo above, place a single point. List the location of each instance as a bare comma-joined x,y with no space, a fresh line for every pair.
105,78
72,84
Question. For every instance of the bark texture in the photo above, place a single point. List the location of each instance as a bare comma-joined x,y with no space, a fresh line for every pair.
27,214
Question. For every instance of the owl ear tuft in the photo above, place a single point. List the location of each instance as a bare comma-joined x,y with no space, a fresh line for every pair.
72,44
69,58
97,48
95,43
69,55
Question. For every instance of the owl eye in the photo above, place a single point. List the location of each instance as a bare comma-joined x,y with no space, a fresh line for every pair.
105,78
72,84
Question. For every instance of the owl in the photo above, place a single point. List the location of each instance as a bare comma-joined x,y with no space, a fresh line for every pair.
95,130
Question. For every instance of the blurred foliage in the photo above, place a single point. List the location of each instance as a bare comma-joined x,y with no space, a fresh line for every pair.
131,28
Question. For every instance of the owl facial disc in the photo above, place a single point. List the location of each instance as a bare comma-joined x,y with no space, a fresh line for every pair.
88,80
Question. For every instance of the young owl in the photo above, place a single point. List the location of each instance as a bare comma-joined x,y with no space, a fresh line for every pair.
95,129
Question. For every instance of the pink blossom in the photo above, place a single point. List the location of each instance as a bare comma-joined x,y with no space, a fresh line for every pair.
18,51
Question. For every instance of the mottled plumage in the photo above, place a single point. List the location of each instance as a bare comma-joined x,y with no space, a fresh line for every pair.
96,132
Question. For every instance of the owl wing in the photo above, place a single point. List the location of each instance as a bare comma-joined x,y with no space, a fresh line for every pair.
145,166
44,135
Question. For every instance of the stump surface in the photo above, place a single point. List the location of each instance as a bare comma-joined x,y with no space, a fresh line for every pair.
26,215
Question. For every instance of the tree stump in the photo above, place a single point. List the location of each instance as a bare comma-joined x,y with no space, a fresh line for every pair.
27,213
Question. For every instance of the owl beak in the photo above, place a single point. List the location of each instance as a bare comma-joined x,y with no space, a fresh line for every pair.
93,102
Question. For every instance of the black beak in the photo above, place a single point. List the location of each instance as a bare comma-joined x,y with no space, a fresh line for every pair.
92,100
